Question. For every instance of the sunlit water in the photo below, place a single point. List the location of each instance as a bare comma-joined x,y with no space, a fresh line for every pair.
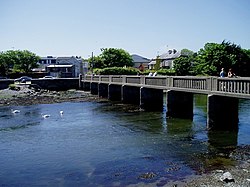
99,144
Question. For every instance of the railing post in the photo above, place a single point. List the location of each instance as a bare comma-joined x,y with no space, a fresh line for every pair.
142,79
124,80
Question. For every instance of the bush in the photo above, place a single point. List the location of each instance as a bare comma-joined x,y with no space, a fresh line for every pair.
117,71
13,87
169,72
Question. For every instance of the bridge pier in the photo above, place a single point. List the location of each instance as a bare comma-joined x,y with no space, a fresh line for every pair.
86,86
130,95
114,92
180,104
222,113
103,90
94,88
151,99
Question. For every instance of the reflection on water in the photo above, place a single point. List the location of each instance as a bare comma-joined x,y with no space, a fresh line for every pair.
109,144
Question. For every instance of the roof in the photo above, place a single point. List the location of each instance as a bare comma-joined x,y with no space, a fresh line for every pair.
59,66
170,55
153,62
139,59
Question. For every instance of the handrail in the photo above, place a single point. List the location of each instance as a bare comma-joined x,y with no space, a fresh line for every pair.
240,85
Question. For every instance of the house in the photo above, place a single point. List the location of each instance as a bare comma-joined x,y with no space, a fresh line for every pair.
61,66
140,62
167,59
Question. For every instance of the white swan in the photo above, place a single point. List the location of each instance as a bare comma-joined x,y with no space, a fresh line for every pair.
15,111
45,116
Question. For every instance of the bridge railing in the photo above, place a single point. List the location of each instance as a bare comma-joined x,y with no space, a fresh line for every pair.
234,85
226,85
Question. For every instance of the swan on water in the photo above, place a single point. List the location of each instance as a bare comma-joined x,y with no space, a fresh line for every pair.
15,111
45,116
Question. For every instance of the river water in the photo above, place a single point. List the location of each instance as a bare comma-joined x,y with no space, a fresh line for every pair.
101,144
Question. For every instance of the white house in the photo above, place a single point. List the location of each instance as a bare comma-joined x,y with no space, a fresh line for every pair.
167,59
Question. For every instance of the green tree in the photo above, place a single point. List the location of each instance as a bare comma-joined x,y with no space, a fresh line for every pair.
183,64
112,57
96,62
22,61
213,57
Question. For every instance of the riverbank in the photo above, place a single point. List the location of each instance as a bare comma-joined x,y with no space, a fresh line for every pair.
25,95
234,175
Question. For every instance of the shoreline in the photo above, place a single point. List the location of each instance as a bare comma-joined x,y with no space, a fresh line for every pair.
240,172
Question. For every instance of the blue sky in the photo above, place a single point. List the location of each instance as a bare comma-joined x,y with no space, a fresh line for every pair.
143,27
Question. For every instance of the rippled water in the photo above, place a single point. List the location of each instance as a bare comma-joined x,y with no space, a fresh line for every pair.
95,144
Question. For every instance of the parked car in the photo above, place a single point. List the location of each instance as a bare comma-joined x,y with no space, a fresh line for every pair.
23,79
48,77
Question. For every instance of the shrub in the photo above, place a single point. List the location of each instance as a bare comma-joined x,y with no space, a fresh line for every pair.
117,71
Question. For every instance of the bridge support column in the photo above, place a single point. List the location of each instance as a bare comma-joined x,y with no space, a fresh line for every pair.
103,90
151,99
130,95
179,104
94,88
86,86
222,113
114,92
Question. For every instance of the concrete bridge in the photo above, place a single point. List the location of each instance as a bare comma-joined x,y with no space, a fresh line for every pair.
223,94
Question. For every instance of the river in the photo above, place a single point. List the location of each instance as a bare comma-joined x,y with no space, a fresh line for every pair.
101,144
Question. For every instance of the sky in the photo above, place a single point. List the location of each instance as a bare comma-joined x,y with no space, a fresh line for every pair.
142,27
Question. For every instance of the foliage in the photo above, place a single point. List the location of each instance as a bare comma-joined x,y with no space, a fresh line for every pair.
169,72
157,64
112,57
19,61
13,87
117,71
96,62
214,56
182,65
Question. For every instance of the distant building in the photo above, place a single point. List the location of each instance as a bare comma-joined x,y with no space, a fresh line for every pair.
140,61
61,66
167,59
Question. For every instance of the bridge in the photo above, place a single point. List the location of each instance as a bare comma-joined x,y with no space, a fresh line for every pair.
223,94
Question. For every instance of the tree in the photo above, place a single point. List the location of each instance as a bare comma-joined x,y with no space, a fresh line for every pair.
214,56
26,61
183,64
112,57
22,61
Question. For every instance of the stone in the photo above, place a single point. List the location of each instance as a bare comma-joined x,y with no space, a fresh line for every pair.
227,177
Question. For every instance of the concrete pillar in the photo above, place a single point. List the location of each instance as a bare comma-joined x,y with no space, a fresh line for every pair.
131,95
114,92
94,88
103,90
222,113
86,86
151,99
80,82
180,104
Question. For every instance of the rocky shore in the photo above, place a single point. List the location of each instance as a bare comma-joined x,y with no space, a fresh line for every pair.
26,95
237,175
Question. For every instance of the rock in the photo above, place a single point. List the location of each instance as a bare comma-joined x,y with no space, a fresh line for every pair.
227,177
148,175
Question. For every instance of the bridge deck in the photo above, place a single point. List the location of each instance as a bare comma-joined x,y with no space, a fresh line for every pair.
231,87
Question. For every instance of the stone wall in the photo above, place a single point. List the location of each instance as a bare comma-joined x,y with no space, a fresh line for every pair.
59,84
5,83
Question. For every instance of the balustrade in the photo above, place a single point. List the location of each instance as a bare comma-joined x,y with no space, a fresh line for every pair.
236,86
